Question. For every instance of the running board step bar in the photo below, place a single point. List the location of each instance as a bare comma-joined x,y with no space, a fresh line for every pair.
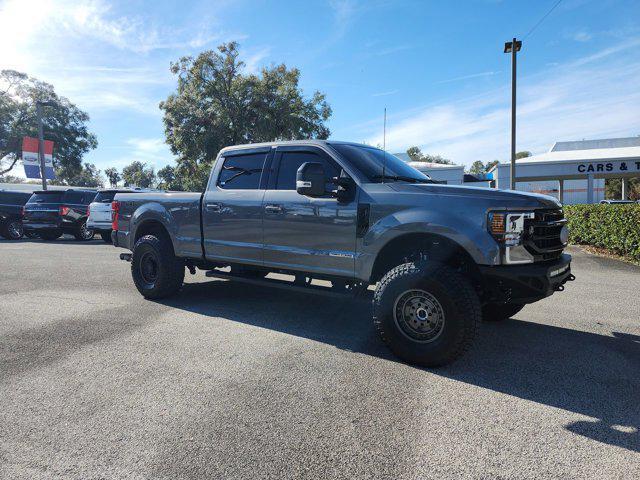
284,284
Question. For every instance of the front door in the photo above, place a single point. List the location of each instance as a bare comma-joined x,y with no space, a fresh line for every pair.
232,207
303,233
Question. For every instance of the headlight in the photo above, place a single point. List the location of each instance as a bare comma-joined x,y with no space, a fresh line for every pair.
508,230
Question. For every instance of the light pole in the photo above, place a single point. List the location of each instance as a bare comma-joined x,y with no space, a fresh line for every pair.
513,47
39,106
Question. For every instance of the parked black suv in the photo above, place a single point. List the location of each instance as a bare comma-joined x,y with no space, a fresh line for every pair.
50,213
11,203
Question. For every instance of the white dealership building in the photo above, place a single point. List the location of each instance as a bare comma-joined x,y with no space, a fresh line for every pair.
573,172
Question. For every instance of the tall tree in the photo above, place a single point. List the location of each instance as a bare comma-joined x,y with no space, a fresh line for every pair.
11,179
63,122
168,179
478,168
416,155
217,104
113,176
89,176
523,154
491,164
613,188
138,174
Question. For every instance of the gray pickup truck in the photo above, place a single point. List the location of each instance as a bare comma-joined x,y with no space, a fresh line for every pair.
441,257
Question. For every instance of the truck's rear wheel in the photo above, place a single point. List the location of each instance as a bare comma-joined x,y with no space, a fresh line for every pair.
427,313
155,269
496,312
106,237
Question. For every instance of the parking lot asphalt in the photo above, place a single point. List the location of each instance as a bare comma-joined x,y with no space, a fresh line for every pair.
231,381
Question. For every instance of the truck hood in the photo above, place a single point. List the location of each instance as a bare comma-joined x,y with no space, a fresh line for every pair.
501,198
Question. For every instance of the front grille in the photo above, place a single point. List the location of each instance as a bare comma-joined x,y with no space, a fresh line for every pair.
542,234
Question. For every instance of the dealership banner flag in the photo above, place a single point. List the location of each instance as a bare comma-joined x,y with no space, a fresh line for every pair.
31,161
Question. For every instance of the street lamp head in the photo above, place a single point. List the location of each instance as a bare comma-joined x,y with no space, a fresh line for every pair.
508,46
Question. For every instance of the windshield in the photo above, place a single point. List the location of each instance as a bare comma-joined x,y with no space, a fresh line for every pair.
41,197
369,161
105,197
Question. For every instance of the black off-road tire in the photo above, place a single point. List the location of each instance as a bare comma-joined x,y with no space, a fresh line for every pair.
163,275
12,230
106,237
50,235
458,301
497,312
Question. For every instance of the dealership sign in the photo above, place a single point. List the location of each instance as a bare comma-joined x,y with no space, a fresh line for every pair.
31,161
609,167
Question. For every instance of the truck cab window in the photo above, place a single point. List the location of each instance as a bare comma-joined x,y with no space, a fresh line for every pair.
242,172
291,161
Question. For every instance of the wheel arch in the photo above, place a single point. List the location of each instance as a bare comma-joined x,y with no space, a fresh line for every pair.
432,246
151,226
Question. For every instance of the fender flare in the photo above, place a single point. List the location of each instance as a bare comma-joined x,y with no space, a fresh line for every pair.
469,234
151,212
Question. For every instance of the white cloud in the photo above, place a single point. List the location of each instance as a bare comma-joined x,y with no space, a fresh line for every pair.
253,62
467,77
93,55
587,98
343,13
385,94
26,25
148,146
582,36
153,151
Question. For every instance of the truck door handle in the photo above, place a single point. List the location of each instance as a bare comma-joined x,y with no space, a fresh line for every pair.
214,207
273,209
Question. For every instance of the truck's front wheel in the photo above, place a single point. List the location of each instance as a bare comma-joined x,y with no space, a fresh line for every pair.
155,269
427,313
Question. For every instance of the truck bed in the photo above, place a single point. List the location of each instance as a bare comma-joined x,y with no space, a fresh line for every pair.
178,211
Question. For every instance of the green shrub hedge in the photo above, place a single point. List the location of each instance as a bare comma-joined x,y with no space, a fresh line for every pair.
615,227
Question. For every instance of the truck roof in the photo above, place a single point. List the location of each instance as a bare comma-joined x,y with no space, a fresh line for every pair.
292,143
89,190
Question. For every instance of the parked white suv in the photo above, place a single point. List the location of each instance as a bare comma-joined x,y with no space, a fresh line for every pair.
100,210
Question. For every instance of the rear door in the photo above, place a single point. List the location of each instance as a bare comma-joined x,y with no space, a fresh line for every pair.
305,233
232,206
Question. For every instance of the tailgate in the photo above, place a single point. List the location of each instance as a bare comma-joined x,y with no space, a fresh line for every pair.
100,212
41,213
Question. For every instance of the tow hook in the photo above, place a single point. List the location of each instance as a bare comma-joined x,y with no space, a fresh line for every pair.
126,257
560,287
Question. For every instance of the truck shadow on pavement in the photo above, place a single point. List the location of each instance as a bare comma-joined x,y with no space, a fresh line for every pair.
586,373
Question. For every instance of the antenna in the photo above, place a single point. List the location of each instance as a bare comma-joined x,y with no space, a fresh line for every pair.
384,143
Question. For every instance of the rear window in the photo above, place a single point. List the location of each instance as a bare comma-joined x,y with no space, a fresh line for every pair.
105,197
78,198
242,172
41,197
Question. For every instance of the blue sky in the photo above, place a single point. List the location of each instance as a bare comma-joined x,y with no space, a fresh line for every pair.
437,66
